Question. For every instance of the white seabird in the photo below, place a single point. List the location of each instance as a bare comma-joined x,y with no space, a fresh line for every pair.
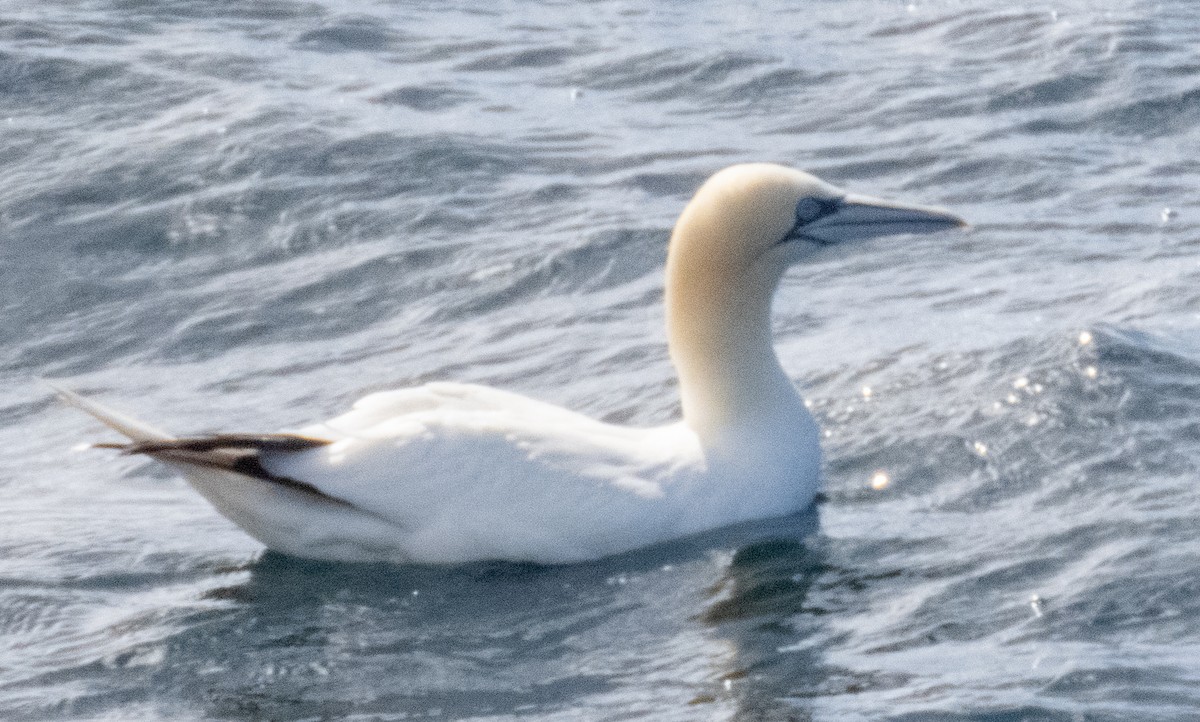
449,472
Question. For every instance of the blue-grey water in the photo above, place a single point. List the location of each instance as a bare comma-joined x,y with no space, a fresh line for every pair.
218,214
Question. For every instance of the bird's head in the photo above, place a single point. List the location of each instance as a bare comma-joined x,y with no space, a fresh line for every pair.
755,212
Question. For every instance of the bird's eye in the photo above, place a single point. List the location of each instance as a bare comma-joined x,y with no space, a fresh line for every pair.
810,209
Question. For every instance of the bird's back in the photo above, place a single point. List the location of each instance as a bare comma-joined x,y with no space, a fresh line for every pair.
470,472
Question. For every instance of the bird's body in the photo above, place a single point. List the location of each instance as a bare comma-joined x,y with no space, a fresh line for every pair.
448,472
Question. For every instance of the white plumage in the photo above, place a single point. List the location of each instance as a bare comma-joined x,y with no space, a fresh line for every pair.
449,472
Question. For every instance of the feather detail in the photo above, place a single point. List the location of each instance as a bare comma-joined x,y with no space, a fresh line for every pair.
239,453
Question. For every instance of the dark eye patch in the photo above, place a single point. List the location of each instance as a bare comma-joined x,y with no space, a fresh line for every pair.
810,209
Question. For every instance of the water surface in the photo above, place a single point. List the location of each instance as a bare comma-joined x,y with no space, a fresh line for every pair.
244,216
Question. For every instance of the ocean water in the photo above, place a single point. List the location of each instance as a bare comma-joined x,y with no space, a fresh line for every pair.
245,215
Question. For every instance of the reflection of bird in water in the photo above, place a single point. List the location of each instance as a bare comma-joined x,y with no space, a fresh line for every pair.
759,604
452,472
764,579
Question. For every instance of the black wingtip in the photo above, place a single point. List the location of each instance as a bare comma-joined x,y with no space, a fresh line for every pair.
232,442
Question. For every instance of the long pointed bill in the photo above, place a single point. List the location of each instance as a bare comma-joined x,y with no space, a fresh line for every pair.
859,217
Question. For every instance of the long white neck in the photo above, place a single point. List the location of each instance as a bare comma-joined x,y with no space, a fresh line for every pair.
723,265
719,329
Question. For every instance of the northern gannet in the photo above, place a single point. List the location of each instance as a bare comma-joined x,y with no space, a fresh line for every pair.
449,472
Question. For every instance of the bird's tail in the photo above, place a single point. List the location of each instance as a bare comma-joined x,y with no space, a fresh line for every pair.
137,431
